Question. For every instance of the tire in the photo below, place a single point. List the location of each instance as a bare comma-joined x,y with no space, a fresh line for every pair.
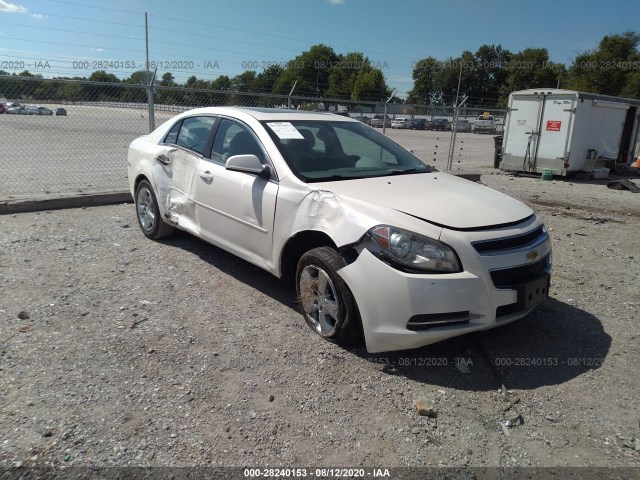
325,301
148,213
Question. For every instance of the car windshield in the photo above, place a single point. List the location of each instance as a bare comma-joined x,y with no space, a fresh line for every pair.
320,151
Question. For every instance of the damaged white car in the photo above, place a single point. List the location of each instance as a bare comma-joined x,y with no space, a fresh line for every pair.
380,245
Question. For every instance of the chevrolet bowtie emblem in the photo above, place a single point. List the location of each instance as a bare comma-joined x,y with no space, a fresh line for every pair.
532,255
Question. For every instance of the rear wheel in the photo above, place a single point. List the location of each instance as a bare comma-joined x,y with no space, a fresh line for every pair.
326,302
148,213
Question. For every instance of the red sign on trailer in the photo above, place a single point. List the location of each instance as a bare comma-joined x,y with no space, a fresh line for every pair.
554,125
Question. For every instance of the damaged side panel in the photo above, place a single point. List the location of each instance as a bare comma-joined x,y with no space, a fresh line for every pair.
175,187
319,210
344,219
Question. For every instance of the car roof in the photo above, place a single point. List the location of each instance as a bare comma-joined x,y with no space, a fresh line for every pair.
264,114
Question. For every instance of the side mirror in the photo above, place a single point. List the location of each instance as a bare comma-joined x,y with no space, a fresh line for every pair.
248,164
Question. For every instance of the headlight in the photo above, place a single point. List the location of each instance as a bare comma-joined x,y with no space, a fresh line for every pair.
415,251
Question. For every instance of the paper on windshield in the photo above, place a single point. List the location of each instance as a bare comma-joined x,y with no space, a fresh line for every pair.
285,131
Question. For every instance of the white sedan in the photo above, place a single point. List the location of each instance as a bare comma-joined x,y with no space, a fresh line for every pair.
400,123
381,247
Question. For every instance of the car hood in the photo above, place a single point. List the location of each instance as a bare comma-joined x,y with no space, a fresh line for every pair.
439,198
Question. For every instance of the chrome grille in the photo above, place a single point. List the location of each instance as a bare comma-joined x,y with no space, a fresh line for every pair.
517,242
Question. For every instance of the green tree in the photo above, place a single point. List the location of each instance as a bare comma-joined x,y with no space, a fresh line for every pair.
490,72
266,80
632,86
343,74
310,69
70,91
369,85
102,92
424,78
221,83
352,76
452,71
27,73
102,76
609,67
531,68
167,80
245,82
46,91
138,77
194,82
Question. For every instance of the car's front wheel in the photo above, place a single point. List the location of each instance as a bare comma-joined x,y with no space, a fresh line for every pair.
148,213
326,302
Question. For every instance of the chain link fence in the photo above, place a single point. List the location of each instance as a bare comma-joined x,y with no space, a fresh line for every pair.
64,137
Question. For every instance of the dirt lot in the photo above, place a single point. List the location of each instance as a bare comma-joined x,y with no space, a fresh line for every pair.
119,351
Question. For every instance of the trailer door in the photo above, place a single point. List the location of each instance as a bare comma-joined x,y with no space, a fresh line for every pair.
520,141
555,132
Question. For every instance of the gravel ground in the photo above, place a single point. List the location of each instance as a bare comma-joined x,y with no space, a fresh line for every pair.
119,351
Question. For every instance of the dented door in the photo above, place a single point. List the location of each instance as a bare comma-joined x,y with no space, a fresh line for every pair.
235,209
179,165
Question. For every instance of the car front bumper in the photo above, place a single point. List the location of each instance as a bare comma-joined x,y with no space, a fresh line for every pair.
394,304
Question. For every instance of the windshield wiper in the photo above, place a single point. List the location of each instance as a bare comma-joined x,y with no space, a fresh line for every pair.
402,172
333,178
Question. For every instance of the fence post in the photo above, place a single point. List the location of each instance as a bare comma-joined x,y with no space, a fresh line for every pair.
384,119
150,102
290,98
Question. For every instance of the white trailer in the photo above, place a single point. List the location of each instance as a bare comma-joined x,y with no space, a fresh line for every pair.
567,131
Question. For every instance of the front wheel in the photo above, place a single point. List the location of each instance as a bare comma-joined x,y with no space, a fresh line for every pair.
326,302
148,213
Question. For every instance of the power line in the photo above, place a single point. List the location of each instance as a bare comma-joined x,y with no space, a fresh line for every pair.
49,14
99,8
194,22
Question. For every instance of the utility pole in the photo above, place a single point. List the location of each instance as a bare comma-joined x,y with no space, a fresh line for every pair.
152,120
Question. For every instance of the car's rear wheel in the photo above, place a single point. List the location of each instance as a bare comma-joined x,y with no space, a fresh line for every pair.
325,301
148,213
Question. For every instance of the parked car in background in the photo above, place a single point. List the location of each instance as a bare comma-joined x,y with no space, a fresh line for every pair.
400,123
42,111
20,111
439,124
380,121
463,125
61,111
377,243
484,123
363,119
418,124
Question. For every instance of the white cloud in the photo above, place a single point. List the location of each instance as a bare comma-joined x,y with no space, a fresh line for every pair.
11,7
37,15
332,2
97,49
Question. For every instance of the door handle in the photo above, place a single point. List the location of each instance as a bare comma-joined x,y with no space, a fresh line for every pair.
205,175
163,158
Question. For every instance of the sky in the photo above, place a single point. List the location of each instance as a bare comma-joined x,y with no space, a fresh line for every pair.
226,37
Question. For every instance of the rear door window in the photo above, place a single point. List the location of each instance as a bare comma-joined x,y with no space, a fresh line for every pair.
194,133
